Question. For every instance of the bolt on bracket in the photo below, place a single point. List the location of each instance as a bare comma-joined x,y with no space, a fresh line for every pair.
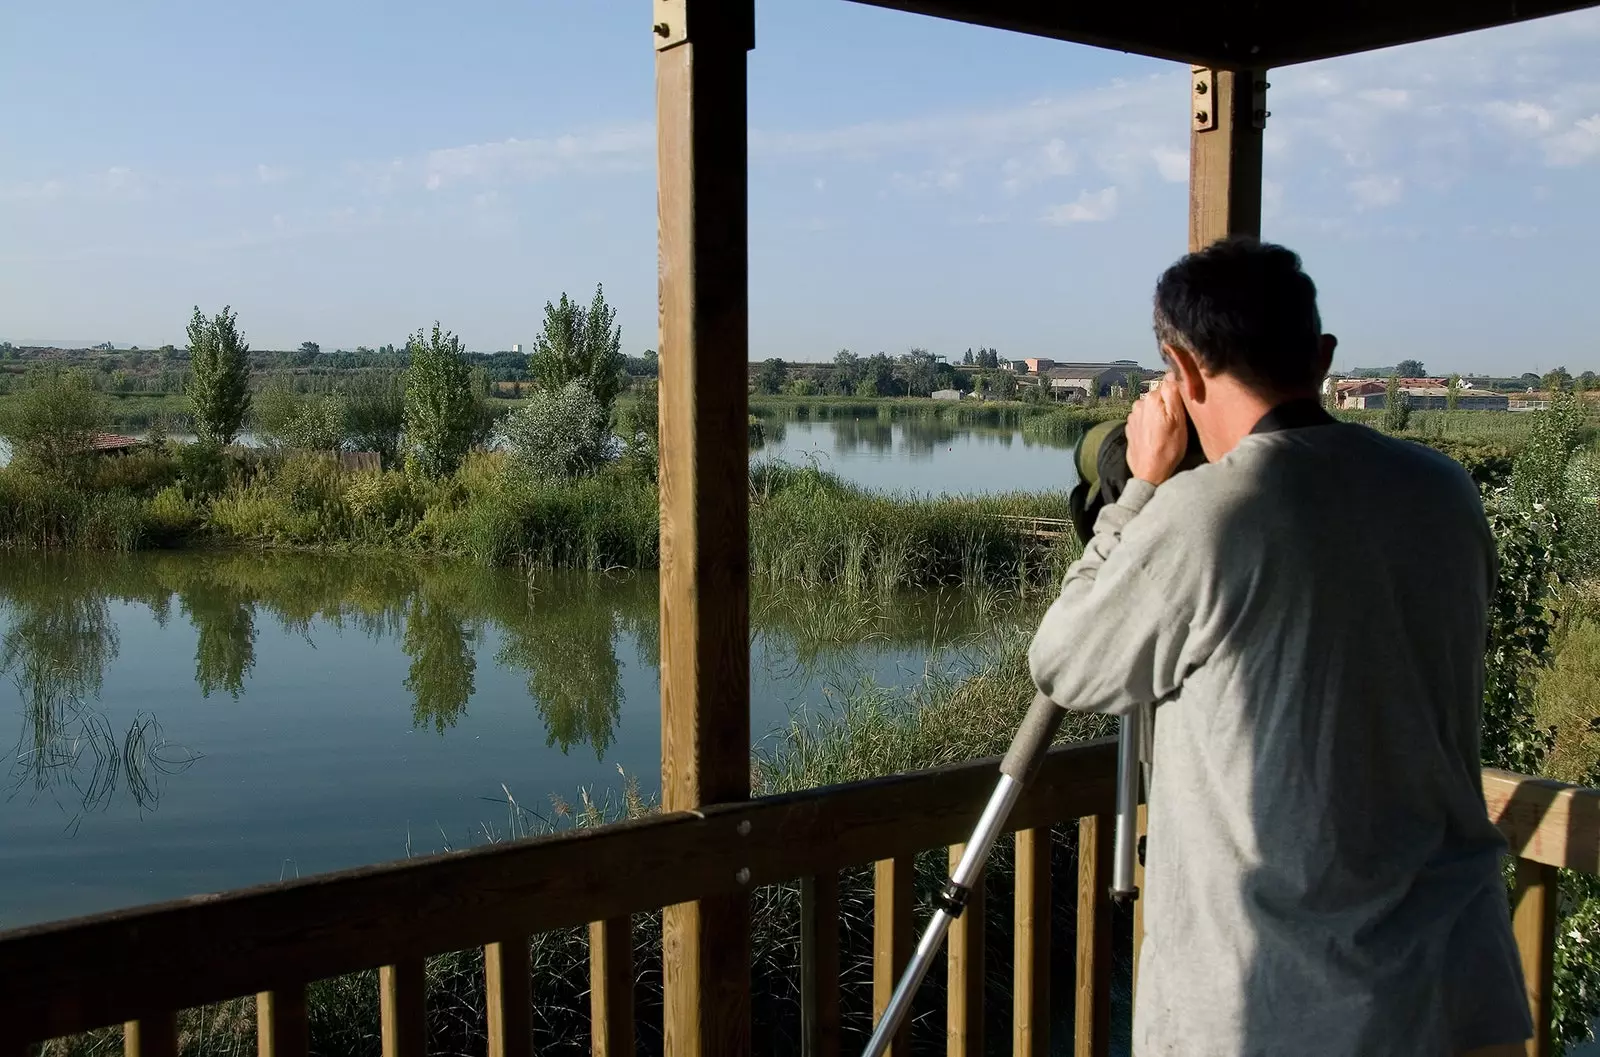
1203,98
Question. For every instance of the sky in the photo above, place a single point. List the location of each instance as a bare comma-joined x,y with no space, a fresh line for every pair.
348,172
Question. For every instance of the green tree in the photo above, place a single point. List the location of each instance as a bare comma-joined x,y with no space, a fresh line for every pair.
771,376
847,373
918,369
52,424
1557,381
559,433
1396,407
375,415
1411,369
583,345
1452,392
219,385
1003,385
639,426
441,414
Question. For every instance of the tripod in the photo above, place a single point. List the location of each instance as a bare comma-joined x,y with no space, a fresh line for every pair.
1017,768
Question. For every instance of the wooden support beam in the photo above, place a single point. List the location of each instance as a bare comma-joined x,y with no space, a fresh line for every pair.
1092,1009
1030,1017
703,264
1533,919
819,965
964,1010
611,988
402,1008
1225,154
281,1026
891,939
152,1036
510,1006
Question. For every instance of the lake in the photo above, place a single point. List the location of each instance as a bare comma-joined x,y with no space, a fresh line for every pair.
920,455
190,722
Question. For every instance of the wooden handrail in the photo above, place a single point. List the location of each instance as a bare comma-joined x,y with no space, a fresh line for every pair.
72,976
1545,821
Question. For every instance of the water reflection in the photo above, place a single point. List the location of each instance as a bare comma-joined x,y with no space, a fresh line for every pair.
558,633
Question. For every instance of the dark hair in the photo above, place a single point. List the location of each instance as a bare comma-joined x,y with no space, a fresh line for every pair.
1243,307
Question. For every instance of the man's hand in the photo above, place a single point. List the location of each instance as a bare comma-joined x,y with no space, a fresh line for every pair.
1158,433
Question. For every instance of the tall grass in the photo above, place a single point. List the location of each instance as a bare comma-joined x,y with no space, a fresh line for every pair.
1063,425
806,525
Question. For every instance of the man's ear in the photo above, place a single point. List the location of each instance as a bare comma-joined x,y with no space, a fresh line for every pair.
1191,383
1325,346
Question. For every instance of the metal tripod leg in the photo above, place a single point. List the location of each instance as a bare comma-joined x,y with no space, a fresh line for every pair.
1021,762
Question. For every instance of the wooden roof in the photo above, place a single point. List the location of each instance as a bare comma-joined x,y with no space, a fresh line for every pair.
1236,34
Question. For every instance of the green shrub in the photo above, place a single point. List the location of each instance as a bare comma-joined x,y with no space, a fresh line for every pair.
390,501
142,472
170,515
202,469
558,433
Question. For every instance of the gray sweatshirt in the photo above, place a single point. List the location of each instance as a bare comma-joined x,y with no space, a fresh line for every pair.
1309,613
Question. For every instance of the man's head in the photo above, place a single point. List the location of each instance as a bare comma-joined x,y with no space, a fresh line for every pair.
1238,324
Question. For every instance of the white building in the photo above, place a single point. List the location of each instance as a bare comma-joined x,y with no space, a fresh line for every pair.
517,348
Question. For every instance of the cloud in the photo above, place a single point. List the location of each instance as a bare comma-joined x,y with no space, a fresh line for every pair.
271,174
1575,145
1376,192
1090,207
523,160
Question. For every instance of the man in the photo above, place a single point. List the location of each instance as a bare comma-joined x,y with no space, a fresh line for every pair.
1308,610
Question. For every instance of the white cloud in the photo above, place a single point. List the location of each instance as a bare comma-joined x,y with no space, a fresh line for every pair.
522,160
1090,207
1173,165
271,174
1376,192
1575,145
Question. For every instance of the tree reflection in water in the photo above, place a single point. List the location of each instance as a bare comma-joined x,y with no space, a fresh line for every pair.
559,630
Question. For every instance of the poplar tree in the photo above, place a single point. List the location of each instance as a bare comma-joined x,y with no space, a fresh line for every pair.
219,382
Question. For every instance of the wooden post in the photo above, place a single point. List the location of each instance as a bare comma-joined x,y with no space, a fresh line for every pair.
402,1008
510,1007
704,345
819,965
1030,1017
891,940
1092,1013
281,1027
153,1036
1225,154
611,988
964,1015
1533,919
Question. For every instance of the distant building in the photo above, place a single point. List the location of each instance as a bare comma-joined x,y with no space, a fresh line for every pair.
947,394
516,349
1037,364
1071,381
1425,398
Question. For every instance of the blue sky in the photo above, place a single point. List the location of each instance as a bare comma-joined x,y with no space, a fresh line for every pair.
348,172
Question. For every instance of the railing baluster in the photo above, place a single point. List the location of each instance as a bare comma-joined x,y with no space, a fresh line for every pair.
819,965
1092,1017
1030,1018
891,939
964,1017
506,983
1534,922
281,1028
611,988
1138,909
402,999
152,1036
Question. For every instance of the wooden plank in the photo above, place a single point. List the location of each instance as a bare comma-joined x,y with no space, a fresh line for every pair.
1165,29
1092,1008
1030,1015
964,1008
891,939
67,977
281,1026
1533,919
1547,821
402,1007
611,988
819,965
509,1004
1225,162
155,1035
1238,33
703,222
1138,906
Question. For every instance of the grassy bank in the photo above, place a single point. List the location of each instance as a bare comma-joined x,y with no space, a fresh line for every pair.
806,525
1010,413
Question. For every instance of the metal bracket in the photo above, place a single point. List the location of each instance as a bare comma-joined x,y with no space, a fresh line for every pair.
1258,100
670,23
1203,98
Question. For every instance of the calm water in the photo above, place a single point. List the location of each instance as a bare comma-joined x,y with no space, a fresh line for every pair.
185,723
920,455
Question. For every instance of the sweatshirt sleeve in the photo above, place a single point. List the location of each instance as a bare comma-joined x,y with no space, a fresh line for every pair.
1115,638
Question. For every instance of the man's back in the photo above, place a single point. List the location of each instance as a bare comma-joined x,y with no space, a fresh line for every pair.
1321,875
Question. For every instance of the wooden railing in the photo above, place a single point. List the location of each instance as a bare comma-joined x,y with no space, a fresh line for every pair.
139,967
